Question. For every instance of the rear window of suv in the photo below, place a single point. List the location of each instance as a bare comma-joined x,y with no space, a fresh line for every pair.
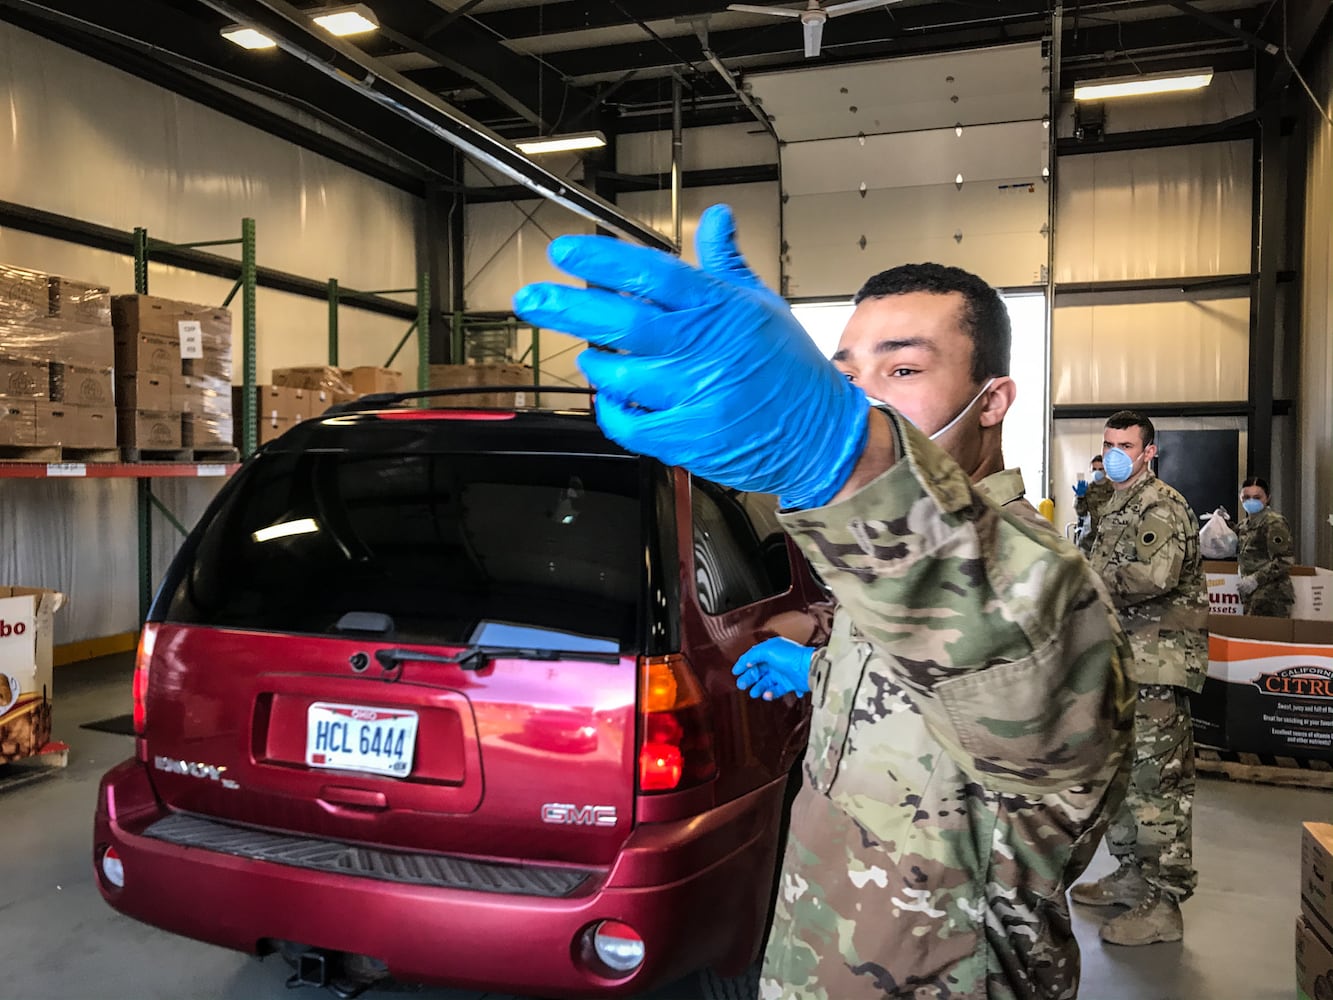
538,550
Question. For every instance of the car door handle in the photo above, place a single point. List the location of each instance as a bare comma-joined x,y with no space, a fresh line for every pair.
345,797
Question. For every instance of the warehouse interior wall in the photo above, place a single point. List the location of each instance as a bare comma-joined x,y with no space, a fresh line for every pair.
1180,211
88,141
1314,416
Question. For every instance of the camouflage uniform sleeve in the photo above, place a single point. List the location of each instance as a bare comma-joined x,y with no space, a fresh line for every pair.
1081,506
998,627
1159,549
1276,542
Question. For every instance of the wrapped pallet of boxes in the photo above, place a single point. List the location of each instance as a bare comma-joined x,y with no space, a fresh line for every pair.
188,347
56,357
323,385
1269,688
485,374
25,669
280,408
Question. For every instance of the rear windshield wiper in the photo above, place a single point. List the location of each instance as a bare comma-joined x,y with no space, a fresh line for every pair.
476,657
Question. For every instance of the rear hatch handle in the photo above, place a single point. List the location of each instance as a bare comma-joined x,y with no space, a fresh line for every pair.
476,657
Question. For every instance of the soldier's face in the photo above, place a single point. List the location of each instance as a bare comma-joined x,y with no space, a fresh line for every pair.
1130,441
1254,493
913,352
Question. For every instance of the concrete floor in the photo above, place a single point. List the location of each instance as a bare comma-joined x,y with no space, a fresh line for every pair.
59,940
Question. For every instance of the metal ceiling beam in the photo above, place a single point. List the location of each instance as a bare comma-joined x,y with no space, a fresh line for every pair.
396,95
1303,21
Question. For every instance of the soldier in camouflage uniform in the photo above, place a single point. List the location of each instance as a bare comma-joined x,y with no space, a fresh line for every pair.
1264,554
945,812
1147,553
957,781
1091,502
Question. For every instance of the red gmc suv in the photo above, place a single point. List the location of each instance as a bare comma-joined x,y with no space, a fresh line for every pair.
444,695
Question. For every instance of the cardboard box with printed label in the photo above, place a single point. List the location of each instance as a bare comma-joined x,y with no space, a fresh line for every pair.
79,301
206,430
24,378
150,430
18,418
1314,960
56,425
487,374
1317,871
148,314
1269,688
147,352
145,390
82,385
25,669
24,294
273,427
1312,585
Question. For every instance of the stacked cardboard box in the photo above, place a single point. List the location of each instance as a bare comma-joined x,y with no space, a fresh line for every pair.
486,374
1314,926
25,669
282,407
173,364
56,386
338,385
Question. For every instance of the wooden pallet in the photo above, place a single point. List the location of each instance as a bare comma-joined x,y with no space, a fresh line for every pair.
1292,772
54,454
217,456
157,454
45,763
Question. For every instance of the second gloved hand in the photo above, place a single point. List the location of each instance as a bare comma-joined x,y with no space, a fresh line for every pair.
1081,488
773,668
705,368
1246,586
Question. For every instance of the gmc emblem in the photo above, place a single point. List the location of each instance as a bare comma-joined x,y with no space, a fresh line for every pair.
568,813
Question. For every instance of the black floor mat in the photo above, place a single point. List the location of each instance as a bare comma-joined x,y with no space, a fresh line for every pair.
121,725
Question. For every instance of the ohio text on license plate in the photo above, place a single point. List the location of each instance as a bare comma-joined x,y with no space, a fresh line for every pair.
358,738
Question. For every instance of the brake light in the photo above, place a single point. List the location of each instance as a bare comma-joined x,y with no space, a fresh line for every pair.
142,659
676,733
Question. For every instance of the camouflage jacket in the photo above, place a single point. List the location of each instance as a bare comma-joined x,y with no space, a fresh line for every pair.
1092,505
1264,553
971,718
1147,554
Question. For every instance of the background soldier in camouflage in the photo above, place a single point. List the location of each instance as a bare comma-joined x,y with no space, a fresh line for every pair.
1090,502
955,785
1147,553
1264,554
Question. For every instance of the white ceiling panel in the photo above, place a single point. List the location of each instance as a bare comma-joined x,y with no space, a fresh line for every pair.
973,87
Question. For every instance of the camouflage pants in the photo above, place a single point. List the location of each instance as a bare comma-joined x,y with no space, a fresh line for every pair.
1154,828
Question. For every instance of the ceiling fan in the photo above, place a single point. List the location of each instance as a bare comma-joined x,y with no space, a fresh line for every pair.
813,17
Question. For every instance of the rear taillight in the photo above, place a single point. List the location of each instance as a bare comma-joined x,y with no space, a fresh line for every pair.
676,734
141,662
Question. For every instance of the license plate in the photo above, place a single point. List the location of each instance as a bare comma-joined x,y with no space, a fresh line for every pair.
358,738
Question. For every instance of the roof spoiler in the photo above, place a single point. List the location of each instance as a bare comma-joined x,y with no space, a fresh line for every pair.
384,400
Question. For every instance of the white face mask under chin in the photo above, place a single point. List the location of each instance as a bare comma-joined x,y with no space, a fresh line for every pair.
963,412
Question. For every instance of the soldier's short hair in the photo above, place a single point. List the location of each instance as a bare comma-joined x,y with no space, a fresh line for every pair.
1258,481
1096,458
984,315
1122,420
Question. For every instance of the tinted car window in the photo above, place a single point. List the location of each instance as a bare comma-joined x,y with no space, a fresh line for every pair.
740,552
541,550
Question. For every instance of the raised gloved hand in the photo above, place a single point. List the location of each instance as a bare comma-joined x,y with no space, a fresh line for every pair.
773,668
1246,586
1081,488
708,369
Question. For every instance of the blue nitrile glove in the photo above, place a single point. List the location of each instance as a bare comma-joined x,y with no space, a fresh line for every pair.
707,370
1081,488
773,668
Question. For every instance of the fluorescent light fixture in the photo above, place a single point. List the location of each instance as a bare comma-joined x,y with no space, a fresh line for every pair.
355,19
248,38
562,143
302,526
1137,86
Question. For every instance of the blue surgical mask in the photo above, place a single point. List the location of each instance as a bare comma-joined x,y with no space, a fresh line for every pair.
1098,475
1119,466
1252,506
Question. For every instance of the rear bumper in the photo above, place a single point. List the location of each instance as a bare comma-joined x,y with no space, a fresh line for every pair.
697,891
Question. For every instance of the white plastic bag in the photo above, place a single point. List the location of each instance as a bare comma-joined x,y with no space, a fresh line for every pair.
1217,540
